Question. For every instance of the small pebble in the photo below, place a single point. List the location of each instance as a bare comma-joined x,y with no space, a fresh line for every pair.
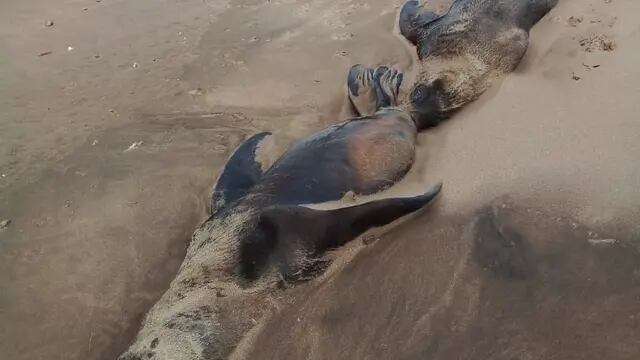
135,65
369,239
70,48
48,23
4,224
45,53
135,145
602,241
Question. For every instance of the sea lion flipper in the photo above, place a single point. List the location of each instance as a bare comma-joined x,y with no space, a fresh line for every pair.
413,17
371,89
302,235
532,11
240,173
387,83
361,90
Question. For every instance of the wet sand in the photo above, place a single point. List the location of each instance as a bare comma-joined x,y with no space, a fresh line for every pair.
97,230
485,284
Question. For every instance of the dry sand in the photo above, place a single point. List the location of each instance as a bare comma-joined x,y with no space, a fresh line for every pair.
97,232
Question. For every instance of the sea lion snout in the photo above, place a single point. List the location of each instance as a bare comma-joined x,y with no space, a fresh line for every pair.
426,104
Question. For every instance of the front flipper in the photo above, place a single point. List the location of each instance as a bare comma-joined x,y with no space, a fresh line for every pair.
413,18
302,235
241,173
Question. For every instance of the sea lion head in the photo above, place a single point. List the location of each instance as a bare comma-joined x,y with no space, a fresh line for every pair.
427,101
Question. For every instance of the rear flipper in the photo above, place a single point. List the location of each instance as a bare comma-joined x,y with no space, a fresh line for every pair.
303,235
370,89
413,18
532,11
240,174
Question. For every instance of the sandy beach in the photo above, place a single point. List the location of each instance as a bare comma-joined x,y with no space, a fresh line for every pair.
118,115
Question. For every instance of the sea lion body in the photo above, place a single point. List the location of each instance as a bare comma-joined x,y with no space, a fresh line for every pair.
363,155
258,234
461,53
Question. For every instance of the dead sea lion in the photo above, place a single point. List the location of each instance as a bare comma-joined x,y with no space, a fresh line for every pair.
461,53
258,233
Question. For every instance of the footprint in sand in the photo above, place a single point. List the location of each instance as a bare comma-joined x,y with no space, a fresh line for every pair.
598,42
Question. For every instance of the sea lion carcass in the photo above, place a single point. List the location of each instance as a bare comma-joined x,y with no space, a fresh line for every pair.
461,53
258,234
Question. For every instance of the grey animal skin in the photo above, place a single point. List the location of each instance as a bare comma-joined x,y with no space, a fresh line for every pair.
461,53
